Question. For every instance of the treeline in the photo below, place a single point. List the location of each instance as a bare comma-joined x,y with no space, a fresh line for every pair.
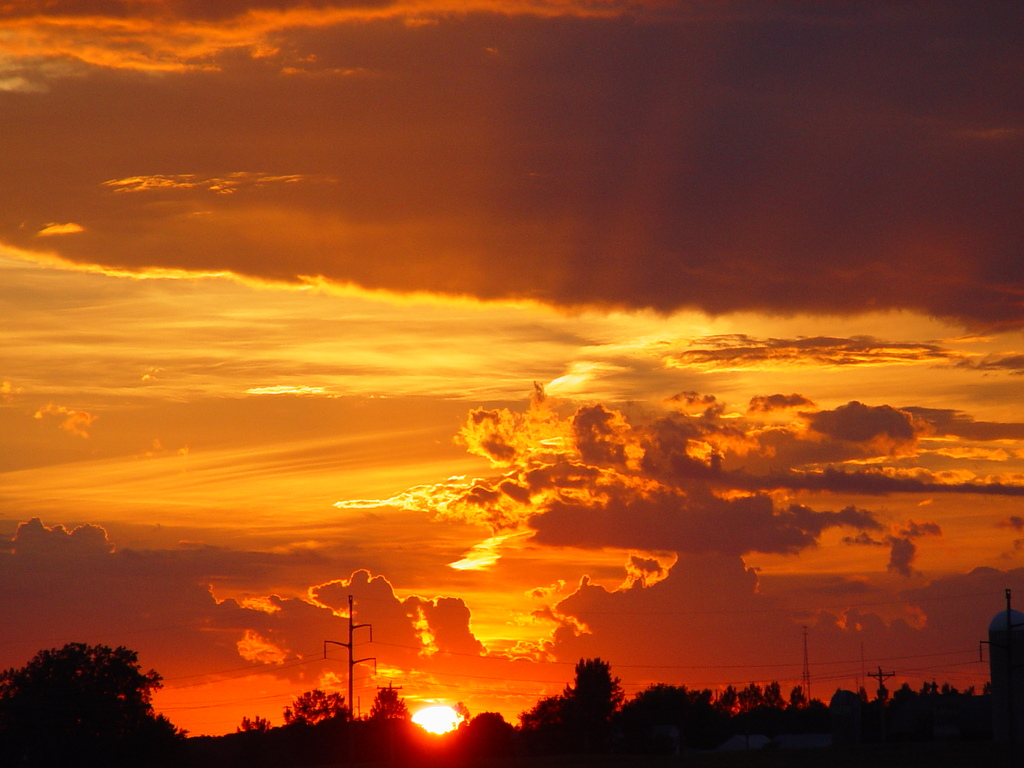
591,715
91,706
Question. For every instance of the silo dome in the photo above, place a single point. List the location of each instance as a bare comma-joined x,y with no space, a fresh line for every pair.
998,623
1006,668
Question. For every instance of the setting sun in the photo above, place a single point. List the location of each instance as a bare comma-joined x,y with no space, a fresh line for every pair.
437,719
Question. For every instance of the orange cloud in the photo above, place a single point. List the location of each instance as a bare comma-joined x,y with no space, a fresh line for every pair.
165,36
75,422
60,229
254,647
219,185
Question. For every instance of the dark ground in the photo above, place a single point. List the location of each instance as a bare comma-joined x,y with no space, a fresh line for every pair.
906,755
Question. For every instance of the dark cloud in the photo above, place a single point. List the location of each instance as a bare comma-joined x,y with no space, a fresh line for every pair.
707,404
732,350
876,482
944,422
601,435
702,483
769,403
653,486
902,549
707,605
58,586
35,539
882,426
773,158
851,432
1012,363
903,552
696,522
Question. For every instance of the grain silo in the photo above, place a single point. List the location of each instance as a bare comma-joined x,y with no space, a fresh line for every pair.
1006,666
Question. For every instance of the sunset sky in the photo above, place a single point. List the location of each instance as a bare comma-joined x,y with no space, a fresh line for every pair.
643,329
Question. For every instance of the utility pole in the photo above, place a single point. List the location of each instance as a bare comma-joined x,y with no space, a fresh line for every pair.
807,670
881,676
352,627
863,670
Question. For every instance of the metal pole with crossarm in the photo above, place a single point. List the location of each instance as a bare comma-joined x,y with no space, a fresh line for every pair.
352,627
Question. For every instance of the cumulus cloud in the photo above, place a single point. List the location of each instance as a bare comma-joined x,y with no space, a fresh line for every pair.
881,429
35,539
58,583
605,482
423,625
697,480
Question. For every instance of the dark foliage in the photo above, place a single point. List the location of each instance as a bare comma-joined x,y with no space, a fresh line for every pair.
487,735
663,718
579,719
388,705
316,706
82,705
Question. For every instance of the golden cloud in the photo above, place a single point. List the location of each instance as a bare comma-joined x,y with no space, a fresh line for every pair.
76,422
254,647
69,228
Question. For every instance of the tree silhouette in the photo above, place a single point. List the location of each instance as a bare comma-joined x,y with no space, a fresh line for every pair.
773,695
590,702
728,701
543,726
83,705
257,724
750,698
797,697
486,736
388,705
316,706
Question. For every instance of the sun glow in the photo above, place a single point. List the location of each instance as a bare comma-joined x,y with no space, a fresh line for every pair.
437,719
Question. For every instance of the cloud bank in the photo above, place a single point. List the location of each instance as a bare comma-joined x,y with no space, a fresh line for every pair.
662,155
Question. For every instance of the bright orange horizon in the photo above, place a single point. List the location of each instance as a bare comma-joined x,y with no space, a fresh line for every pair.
656,332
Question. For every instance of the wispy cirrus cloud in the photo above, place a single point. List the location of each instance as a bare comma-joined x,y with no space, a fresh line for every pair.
225,185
